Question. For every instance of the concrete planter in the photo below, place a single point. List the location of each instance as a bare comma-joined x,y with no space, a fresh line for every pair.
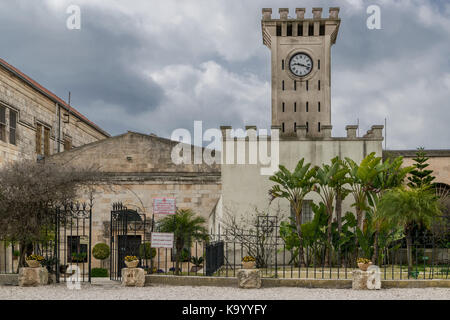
33,263
132,264
248,264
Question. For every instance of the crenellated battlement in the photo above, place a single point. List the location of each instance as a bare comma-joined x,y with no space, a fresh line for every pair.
299,26
375,133
300,14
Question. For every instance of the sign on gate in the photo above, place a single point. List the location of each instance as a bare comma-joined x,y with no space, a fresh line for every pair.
164,206
162,240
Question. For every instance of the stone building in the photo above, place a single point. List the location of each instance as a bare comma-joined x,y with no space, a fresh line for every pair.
35,122
137,168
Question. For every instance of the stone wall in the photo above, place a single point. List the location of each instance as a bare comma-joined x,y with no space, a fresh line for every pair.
34,107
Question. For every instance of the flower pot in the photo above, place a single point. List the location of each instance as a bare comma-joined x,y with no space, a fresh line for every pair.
132,264
33,263
364,266
248,264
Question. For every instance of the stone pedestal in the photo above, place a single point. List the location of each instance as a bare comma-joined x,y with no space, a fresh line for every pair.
133,277
366,280
249,278
33,277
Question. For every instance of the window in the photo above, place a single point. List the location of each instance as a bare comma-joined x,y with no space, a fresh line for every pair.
282,64
318,107
2,123
12,126
307,85
289,30
300,29
46,141
318,64
307,126
282,127
318,85
278,30
295,106
295,85
318,127
77,249
67,143
38,138
282,106
311,30
307,213
307,106
322,30
295,126
282,85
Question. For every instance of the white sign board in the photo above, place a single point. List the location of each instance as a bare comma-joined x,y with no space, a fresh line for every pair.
162,240
164,206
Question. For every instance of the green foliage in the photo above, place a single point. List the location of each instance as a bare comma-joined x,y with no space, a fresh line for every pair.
146,251
101,251
197,261
99,273
186,228
420,176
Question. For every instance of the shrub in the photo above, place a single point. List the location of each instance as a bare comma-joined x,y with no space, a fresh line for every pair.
146,251
99,272
101,251
248,259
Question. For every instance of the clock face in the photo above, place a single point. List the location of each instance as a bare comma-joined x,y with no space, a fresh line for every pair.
301,64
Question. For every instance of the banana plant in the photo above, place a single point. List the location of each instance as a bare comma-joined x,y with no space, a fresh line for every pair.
294,186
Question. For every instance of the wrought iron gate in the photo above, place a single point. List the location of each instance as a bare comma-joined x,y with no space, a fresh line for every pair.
129,236
73,242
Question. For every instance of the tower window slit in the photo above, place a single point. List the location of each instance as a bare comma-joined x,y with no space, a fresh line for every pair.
318,64
322,30
300,29
319,107
278,30
289,30
307,126
318,127
295,126
318,86
307,106
295,106
307,85
282,127
311,30
282,85
282,64
282,107
295,85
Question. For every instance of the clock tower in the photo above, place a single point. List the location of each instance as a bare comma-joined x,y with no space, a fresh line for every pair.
301,65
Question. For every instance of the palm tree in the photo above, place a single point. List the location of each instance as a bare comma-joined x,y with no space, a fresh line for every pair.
407,207
186,227
294,186
329,179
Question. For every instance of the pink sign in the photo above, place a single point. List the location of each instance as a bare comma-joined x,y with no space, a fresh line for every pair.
164,206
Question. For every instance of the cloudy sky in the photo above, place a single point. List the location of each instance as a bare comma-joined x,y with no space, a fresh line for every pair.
157,65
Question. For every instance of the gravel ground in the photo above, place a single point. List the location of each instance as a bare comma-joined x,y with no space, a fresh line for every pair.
113,291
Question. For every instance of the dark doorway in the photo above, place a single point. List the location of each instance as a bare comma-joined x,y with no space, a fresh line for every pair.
128,246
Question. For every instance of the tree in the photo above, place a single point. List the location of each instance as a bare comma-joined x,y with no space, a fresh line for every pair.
420,177
29,193
186,228
406,207
294,186
330,180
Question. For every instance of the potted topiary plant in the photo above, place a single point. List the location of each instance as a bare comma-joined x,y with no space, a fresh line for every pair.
248,262
131,261
34,260
363,263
